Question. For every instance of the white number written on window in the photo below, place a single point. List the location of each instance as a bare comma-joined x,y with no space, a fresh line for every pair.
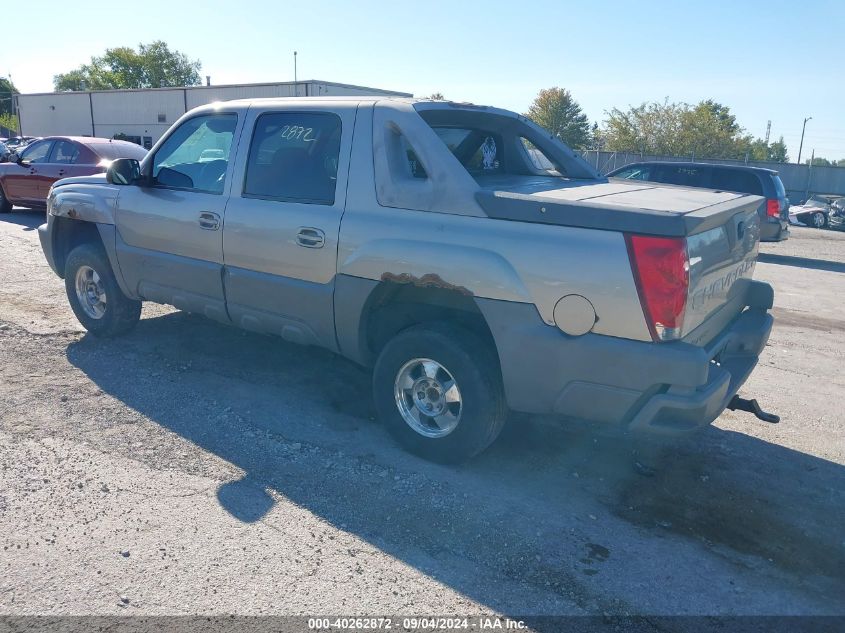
297,133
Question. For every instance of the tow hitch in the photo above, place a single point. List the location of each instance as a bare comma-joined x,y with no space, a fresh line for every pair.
741,404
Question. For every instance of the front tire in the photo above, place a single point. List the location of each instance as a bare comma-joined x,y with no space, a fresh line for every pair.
438,390
93,293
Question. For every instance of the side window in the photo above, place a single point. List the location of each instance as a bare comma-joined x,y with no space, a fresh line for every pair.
682,175
538,159
184,160
736,180
414,164
37,152
64,153
294,157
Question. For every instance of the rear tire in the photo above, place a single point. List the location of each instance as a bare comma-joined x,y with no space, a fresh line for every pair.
414,376
818,220
94,295
5,205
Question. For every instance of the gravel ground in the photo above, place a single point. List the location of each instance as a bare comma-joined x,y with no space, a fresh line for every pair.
192,468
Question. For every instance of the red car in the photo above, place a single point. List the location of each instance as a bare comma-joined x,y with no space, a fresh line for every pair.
27,181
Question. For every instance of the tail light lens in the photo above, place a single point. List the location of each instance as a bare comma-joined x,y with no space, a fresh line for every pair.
773,208
661,271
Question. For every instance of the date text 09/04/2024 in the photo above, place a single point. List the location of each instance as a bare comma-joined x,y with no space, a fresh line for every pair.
481,623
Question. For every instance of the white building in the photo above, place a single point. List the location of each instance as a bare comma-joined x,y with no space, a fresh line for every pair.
143,116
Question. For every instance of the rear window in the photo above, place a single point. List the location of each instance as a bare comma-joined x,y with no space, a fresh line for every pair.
780,190
681,175
737,180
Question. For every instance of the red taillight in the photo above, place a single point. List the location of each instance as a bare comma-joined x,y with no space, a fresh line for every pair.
661,271
773,208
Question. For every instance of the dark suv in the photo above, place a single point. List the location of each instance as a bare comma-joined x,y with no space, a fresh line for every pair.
774,211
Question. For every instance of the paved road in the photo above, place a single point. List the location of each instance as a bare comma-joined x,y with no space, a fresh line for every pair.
193,468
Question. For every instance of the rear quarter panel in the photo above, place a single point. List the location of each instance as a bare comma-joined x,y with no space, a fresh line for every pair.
482,257
495,259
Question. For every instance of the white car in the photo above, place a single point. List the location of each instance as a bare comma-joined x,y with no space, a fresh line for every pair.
814,212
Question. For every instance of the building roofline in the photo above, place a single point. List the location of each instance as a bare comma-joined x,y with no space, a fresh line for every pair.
391,93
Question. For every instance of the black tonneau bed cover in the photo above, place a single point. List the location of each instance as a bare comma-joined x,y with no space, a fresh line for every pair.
649,208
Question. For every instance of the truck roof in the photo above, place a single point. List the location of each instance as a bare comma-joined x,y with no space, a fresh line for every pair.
687,163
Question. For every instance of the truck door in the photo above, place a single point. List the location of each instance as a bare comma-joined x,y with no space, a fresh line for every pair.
170,231
283,220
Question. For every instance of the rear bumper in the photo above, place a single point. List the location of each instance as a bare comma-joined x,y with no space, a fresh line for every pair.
732,357
656,388
774,230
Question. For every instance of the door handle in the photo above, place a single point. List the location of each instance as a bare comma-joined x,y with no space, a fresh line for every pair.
310,237
209,221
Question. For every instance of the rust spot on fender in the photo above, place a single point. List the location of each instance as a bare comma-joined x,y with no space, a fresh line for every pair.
429,280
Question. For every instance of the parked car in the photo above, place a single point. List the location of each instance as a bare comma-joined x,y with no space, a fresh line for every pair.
17,143
26,179
814,212
773,211
4,152
419,238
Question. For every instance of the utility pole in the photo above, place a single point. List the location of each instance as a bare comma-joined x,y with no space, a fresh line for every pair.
296,81
768,131
810,175
801,146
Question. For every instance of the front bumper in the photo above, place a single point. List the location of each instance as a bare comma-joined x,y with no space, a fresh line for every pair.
657,388
45,236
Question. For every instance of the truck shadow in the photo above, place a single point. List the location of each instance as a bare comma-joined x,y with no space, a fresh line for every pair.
29,219
300,423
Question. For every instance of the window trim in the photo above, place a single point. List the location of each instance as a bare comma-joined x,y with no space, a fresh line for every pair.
152,156
256,196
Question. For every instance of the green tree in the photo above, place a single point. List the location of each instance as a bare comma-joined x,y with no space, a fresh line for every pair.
597,140
649,128
706,129
556,110
151,66
436,96
7,89
818,161
777,151
840,162
7,92
9,121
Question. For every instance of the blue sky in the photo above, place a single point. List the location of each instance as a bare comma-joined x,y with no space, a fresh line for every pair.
767,60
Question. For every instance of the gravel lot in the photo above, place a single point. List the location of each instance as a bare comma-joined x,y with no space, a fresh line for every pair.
192,468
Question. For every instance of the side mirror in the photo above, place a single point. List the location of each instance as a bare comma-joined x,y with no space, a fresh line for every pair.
124,171
13,157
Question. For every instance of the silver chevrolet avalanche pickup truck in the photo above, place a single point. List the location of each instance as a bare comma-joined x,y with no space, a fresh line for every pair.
477,264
